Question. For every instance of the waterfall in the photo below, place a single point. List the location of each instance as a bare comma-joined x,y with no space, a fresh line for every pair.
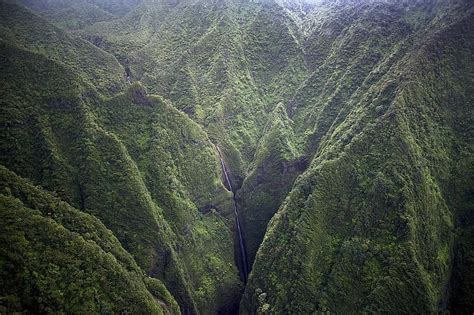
243,252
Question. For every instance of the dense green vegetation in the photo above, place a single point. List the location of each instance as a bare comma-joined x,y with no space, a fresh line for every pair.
370,226
277,163
345,127
133,161
40,37
55,258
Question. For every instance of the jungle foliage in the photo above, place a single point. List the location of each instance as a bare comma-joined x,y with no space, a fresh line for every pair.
345,125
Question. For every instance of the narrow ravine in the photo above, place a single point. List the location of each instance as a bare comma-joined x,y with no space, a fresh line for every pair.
240,236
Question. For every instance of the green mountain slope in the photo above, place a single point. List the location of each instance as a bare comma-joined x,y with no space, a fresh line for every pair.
370,226
140,166
56,258
211,59
38,36
115,7
344,127
277,164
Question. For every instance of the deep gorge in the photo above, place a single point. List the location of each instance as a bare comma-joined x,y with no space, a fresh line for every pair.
242,253
235,156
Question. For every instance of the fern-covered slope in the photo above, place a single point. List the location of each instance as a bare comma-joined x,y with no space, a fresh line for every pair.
348,119
23,29
371,225
136,163
56,258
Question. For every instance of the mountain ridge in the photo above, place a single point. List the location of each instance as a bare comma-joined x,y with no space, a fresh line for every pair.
343,127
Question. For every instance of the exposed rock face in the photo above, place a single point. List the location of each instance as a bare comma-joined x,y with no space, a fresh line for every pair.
139,95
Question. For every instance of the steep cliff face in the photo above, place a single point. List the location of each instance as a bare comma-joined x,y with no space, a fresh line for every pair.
132,160
227,65
343,127
371,225
277,164
56,258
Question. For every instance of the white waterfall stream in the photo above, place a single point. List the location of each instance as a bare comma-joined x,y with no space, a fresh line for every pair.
243,253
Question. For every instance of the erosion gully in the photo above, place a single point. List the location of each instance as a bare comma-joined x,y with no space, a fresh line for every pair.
240,236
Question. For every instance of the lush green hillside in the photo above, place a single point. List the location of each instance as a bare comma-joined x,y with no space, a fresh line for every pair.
38,36
135,162
346,61
278,161
370,226
115,7
214,61
345,128
55,258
